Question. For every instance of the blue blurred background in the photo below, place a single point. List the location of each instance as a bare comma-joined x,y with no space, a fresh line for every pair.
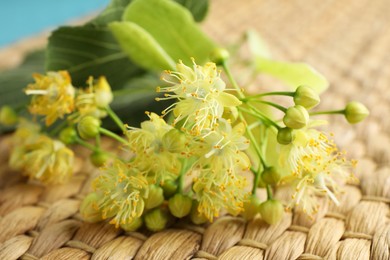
23,18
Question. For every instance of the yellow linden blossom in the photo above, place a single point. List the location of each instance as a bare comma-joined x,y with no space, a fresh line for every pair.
53,95
214,194
201,96
93,100
151,155
316,168
122,191
45,159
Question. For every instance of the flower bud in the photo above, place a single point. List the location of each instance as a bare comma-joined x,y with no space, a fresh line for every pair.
99,158
180,205
251,207
133,226
271,211
88,127
284,135
219,56
169,188
8,116
355,112
306,97
195,216
230,113
296,117
68,135
174,141
156,219
89,208
155,198
271,176
103,93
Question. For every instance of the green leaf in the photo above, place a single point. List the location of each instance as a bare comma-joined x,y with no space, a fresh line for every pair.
88,51
113,12
257,45
141,47
198,8
173,27
293,74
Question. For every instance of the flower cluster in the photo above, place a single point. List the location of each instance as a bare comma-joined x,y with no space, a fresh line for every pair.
193,159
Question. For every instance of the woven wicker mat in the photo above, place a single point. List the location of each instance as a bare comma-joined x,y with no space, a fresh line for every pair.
349,42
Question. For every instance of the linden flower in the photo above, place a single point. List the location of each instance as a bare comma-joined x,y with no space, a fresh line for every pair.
316,168
93,100
200,94
45,159
123,190
213,195
151,155
53,95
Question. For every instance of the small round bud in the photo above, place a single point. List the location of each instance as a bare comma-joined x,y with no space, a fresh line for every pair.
251,207
219,56
306,97
230,113
271,211
99,158
355,112
88,127
174,141
195,216
103,93
271,176
68,135
156,219
169,188
155,198
284,135
133,226
180,205
8,116
296,117
89,208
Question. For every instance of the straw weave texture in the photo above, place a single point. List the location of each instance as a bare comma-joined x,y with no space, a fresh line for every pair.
349,42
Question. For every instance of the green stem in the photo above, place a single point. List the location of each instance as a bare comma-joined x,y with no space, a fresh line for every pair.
256,180
342,111
98,141
58,128
254,112
112,135
181,176
86,145
279,93
232,80
115,118
269,192
281,108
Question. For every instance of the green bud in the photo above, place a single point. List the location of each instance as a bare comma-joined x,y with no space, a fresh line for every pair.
306,97
169,187
133,226
271,211
156,219
271,176
68,135
261,183
155,198
219,56
296,117
195,216
251,207
180,205
355,112
88,127
230,113
89,208
174,141
284,135
99,158
8,116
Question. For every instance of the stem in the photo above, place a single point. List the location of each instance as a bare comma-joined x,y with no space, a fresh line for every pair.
58,128
112,135
115,118
260,116
181,176
279,93
98,141
85,144
256,180
281,108
269,192
234,83
342,111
